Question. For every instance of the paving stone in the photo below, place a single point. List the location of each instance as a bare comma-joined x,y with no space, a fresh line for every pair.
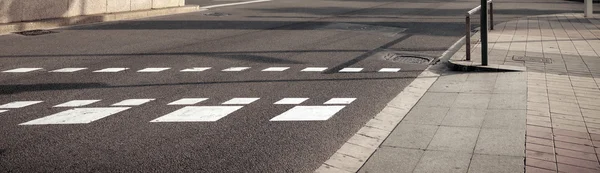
540,155
496,164
540,148
578,162
508,101
426,115
431,99
540,163
449,86
539,141
478,87
472,101
442,161
464,117
576,154
411,136
392,160
501,142
570,168
505,119
454,139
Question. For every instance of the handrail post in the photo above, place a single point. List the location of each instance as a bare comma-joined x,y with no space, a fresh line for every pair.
491,15
468,36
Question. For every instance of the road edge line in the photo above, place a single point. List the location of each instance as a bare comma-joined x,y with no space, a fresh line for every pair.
232,4
362,145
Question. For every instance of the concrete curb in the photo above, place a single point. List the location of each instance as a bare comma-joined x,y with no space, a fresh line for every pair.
89,19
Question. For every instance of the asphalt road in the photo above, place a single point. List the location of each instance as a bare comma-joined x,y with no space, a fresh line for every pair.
106,135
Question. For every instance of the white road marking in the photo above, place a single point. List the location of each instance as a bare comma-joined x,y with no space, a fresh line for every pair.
132,102
308,113
314,69
351,70
110,70
276,69
236,69
290,101
77,103
339,101
67,70
77,116
3,111
195,69
21,70
232,4
150,70
390,70
18,104
240,101
187,101
198,114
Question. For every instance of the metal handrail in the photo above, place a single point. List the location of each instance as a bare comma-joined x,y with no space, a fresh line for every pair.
468,24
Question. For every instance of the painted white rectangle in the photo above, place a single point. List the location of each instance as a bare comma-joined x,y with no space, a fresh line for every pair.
153,70
77,116
232,4
77,103
236,69
22,70
339,101
276,69
351,70
314,69
18,104
110,70
132,102
240,101
3,111
196,69
187,101
67,70
308,113
389,70
198,114
290,101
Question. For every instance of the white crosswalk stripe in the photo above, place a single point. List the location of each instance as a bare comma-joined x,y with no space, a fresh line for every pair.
196,69
339,101
275,69
132,102
77,103
67,70
389,70
198,114
314,69
290,101
21,70
153,70
351,70
188,101
18,104
77,116
240,101
308,113
237,69
111,70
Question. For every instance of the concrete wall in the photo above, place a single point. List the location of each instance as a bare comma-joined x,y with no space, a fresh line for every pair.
29,10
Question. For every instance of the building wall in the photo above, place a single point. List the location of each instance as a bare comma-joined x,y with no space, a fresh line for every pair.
29,10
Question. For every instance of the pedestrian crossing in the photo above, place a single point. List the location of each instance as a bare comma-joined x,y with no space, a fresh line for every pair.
193,110
197,69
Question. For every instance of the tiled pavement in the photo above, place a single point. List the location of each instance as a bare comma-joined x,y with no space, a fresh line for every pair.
542,118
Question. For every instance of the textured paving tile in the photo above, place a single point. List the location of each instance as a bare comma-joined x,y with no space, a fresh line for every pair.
454,139
393,160
496,164
441,161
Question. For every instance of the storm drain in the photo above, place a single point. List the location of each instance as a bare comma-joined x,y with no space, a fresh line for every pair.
406,58
532,59
386,30
35,32
217,14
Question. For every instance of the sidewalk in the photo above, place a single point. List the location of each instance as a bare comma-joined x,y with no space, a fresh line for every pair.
535,108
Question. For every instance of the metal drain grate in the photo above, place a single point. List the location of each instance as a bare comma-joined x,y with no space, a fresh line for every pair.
35,32
532,59
406,59
217,14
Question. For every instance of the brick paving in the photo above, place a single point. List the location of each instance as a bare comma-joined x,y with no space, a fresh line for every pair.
563,111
